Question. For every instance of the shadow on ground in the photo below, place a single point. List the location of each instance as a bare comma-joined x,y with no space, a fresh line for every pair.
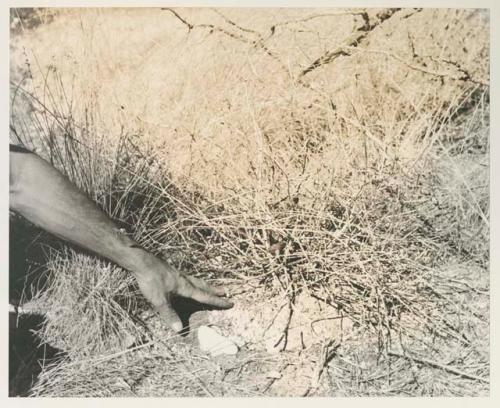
27,356
191,313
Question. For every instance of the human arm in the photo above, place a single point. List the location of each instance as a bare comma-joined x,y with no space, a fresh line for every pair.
48,199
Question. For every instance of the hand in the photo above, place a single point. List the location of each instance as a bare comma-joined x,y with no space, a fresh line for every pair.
161,284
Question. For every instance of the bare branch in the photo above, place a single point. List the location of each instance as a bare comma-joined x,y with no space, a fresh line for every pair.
190,26
259,43
227,20
353,41
440,366
415,11
363,14
465,75
210,27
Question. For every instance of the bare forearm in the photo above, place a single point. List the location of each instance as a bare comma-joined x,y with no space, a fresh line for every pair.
45,197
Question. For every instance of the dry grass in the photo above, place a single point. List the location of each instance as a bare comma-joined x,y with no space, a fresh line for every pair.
89,306
297,150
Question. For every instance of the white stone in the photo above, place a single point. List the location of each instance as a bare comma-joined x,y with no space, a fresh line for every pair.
211,341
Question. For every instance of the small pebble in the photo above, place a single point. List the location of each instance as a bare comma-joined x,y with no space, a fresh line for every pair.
211,341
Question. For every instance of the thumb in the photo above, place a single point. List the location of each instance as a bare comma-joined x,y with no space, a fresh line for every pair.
169,316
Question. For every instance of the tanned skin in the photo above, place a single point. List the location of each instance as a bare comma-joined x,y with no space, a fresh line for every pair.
44,196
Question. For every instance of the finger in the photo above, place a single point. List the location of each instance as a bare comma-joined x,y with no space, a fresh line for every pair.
200,284
188,290
169,316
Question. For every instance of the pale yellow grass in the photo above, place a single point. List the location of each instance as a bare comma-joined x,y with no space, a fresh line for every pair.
221,112
363,182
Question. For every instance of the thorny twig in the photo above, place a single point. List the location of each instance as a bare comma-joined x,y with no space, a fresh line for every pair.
415,11
328,351
466,76
360,35
363,14
438,365
231,22
257,43
284,335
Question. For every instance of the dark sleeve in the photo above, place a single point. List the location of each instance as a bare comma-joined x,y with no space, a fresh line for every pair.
18,149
